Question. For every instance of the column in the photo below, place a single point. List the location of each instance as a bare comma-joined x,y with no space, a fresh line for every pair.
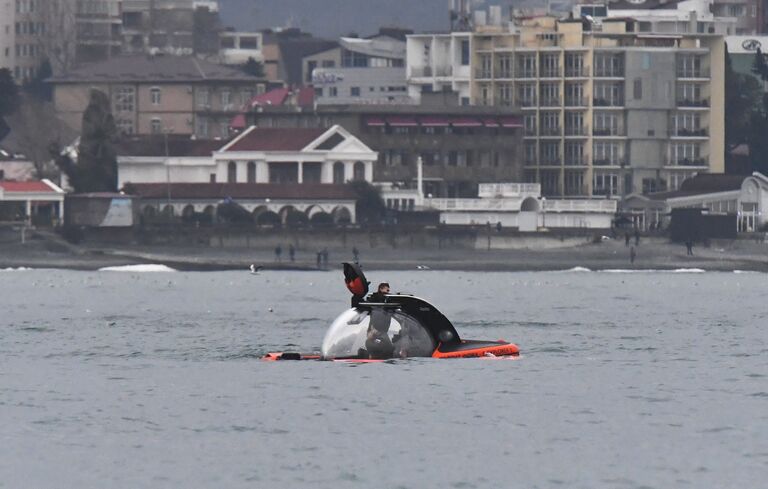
29,211
301,172
369,171
262,172
326,175
348,171
61,212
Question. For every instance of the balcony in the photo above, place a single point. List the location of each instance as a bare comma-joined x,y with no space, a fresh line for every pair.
527,102
602,102
550,161
689,162
576,102
609,73
701,103
421,71
576,72
607,132
690,133
530,131
692,73
483,74
551,131
525,73
550,72
575,131
608,162
550,101
504,73
581,205
575,160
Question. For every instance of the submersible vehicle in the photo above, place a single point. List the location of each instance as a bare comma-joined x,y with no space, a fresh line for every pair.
400,326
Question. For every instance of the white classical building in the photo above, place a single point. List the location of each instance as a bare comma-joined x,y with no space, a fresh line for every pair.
264,170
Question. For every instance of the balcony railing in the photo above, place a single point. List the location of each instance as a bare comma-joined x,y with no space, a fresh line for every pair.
688,162
692,73
508,190
525,73
690,133
502,73
527,102
421,71
550,72
609,73
580,205
550,161
551,131
576,72
483,73
693,103
607,162
575,131
575,160
550,101
576,102
530,131
602,102
607,131
428,71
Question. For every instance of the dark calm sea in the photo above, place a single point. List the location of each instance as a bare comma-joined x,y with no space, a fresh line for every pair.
153,380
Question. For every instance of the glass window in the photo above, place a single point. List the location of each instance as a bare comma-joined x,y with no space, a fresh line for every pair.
125,99
465,52
155,95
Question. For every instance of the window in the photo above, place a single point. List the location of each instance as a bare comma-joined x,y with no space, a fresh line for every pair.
550,65
574,95
530,153
124,99
226,99
637,88
232,172
204,98
526,94
526,66
124,126
338,172
333,92
251,172
329,63
606,153
574,153
311,65
605,184
550,94
212,178
202,127
574,64
155,95
465,52
354,91
550,153
156,126
606,124
358,171
550,123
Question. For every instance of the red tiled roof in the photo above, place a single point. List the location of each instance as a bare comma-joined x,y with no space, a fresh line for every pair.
243,191
272,97
276,139
33,186
306,97
175,145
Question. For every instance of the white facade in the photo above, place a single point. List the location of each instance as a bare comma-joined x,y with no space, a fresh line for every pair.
237,47
349,160
439,61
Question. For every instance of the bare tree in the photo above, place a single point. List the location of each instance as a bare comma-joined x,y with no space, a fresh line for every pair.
60,39
38,134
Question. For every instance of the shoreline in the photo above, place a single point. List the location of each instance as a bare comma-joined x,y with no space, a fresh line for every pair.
652,255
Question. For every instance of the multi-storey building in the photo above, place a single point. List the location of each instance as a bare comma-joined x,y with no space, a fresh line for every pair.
7,19
159,94
607,112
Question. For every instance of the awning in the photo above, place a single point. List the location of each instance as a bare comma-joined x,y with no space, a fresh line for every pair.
490,123
434,122
465,122
511,122
402,121
374,121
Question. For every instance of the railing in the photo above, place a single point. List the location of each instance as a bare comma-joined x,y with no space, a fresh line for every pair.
444,71
581,205
490,190
575,130
576,160
501,73
427,71
576,102
550,161
690,133
527,102
576,72
602,102
525,73
688,162
609,73
550,101
607,131
550,72
693,103
483,73
607,162
421,71
530,131
495,204
693,73
551,131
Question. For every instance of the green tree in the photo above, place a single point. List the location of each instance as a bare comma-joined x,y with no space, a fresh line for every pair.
370,207
253,68
96,168
9,93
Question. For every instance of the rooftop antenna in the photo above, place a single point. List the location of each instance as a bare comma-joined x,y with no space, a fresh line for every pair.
461,17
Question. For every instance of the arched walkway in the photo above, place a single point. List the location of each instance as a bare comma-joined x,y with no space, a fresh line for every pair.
530,204
358,171
341,215
338,172
188,213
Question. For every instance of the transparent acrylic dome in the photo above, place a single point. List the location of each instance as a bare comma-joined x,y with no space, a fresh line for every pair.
378,333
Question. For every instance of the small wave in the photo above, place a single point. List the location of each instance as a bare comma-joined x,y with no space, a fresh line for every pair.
19,269
745,271
138,268
688,270
578,269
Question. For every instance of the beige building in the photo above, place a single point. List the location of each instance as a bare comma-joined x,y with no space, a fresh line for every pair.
608,111
160,94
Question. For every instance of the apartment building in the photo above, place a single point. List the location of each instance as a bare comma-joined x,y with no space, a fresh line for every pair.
360,70
7,19
607,112
159,94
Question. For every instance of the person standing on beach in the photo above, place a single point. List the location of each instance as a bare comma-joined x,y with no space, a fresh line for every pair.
319,259
689,247
325,257
626,238
292,252
637,237
632,254
356,254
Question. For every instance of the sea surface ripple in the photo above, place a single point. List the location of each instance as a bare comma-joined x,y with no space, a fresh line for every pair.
147,380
